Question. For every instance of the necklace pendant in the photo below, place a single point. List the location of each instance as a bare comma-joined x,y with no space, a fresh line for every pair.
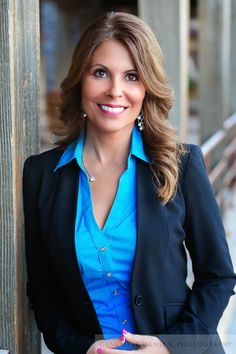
92,179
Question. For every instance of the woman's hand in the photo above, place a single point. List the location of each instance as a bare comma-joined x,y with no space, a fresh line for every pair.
148,345
100,345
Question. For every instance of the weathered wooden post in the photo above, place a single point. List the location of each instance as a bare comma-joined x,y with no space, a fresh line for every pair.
169,21
19,92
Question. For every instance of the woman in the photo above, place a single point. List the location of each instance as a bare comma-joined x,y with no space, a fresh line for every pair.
107,213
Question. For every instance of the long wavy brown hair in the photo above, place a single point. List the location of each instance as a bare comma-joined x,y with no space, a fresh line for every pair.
159,137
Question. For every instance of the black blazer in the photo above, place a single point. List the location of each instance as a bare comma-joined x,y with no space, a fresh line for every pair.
162,303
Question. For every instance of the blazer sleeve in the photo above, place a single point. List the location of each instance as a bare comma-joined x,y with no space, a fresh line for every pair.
214,278
58,330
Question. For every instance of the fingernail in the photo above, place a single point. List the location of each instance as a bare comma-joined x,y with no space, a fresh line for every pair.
124,331
99,350
122,338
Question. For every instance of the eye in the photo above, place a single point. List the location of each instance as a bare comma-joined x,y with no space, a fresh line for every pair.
131,77
100,73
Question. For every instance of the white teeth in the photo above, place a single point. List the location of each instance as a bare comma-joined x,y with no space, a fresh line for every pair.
112,109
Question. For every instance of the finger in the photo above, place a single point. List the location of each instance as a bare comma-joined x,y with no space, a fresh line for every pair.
109,343
114,351
139,339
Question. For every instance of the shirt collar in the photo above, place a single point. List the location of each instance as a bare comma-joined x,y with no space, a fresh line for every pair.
136,147
75,149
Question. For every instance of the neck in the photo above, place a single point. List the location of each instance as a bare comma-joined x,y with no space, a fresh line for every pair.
107,148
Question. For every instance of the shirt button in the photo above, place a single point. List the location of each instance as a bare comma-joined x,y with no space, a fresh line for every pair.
115,292
138,300
109,274
103,249
124,321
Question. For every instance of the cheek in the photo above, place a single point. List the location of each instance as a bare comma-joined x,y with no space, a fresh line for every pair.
91,90
138,95
86,90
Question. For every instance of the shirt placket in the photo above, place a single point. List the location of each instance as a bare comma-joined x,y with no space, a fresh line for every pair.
101,240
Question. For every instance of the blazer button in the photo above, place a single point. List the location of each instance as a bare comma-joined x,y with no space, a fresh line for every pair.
138,300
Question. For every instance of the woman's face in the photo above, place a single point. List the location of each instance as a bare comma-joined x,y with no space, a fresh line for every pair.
112,93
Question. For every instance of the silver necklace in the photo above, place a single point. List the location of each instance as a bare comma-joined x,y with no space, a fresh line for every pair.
93,178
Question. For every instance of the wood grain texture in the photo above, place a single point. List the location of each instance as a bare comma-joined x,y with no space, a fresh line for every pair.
19,109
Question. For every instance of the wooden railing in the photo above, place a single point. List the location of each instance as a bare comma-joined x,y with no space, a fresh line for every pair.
220,156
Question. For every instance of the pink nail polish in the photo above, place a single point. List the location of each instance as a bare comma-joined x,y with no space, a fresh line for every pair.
122,338
99,350
124,331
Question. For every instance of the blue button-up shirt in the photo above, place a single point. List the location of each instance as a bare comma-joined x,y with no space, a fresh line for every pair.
105,257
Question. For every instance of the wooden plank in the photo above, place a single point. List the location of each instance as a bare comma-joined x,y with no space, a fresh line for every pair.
230,126
211,144
230,176
211,148
220,198
19,82
217,173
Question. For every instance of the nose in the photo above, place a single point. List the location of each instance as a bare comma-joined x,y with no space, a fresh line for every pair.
115,88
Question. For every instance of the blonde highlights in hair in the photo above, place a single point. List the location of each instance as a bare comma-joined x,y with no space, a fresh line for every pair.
160,139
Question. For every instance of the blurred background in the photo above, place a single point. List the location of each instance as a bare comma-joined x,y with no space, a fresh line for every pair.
198,38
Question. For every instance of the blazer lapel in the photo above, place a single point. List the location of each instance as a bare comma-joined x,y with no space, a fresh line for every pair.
62,238
63,222
62,244
152,231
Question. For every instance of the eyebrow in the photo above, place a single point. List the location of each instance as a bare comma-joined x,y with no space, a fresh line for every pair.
106,68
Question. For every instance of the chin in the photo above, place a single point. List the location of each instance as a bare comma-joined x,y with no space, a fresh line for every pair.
112,126
115,128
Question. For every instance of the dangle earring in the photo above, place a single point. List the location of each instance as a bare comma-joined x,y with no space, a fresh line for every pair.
84,115
140,120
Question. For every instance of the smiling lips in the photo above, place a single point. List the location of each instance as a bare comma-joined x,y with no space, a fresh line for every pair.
111,109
